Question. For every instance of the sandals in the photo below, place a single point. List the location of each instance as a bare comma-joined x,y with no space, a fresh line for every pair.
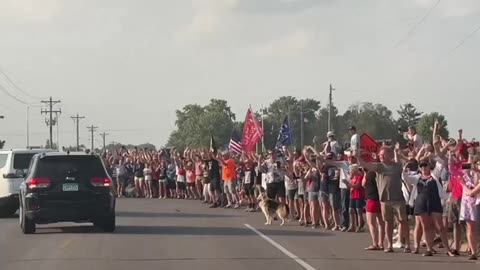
388,250
428,254
373,248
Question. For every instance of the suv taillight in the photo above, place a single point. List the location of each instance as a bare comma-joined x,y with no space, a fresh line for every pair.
101,181
36,182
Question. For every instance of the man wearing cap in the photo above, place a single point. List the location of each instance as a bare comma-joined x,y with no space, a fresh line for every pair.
355,140
331,146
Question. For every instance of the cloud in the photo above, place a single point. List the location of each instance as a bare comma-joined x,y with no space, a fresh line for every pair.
209,18
453,8
293,43
32,10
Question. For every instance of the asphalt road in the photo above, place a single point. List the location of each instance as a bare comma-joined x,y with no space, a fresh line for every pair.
174,234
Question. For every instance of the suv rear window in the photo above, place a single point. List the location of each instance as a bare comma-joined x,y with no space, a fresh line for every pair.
22,161
59,167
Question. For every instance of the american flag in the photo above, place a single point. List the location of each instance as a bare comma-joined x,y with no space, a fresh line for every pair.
235,143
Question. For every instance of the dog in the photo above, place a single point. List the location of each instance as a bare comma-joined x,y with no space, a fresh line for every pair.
270,208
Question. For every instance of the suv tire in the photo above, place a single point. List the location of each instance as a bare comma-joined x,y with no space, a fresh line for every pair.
27,225
107,223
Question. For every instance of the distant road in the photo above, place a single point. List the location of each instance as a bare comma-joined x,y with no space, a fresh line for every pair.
173,234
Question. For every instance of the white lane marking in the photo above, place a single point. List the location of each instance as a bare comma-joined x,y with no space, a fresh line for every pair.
282,249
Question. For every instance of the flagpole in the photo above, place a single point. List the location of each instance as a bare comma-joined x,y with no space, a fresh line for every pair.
301,124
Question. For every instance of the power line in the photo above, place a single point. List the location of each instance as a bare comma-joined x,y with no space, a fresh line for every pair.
16,86
465,39
12,96
415,26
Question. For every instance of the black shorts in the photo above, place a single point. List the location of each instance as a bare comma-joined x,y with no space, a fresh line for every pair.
291,194
357,204
249,190
215,185
121,180
171,184
191,185
276,189
181,185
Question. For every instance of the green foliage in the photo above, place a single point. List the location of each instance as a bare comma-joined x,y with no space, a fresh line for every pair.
2,144
426,123
195,124
409,116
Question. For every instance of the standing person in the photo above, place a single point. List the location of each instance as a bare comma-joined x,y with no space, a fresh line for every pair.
139,179
171,181
469,207
328,173
228,176
427,194
215,179
162,182
292,189
122,178
181,179
357,199
389,183
147,172
354,140
191,178
275,178
199,180
248,184
312,179
374,211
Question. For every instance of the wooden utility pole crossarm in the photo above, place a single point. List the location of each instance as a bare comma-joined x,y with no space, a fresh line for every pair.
50,121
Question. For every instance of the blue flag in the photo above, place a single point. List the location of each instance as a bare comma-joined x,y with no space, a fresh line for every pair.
285,135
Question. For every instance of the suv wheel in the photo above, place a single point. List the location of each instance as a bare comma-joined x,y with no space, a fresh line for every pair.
27,225
107,223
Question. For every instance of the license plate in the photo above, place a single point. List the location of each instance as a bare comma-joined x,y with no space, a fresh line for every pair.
70,187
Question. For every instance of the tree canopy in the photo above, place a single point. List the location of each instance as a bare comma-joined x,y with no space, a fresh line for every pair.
195,123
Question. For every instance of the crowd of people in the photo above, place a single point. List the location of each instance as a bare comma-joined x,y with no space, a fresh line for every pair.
431,186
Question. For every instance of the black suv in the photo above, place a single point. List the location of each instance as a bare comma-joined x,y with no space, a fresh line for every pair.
64,187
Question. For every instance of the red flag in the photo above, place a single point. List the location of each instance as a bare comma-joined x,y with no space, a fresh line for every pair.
252,132
369,147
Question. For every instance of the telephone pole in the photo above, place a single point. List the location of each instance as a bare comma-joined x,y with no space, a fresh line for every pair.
77,119
330,104
92,129
104,135
50,121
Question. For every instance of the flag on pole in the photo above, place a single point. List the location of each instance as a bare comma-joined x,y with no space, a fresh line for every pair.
235,143
213,145
252,132
285,134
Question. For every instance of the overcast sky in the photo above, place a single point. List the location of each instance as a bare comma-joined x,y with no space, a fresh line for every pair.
128,65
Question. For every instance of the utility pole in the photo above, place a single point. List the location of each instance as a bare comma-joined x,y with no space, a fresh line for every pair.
330,104
92,129
104,135
50,121
77,119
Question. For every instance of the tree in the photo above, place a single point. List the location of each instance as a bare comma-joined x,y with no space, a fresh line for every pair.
2,144
408,116
425,126
289,106
195,124
374,119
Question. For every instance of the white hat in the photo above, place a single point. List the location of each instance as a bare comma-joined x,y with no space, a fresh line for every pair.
330,134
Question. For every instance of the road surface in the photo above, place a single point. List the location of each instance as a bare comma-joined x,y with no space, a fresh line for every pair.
175,234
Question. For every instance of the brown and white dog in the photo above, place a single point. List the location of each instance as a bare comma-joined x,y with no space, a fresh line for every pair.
270,208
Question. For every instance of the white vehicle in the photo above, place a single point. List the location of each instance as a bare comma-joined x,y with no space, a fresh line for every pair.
14,165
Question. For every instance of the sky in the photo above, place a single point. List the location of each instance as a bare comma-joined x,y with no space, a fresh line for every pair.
128,65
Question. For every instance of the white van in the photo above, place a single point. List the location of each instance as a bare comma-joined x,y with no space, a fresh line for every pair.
14,165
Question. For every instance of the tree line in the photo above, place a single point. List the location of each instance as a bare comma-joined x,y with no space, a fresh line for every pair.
196,123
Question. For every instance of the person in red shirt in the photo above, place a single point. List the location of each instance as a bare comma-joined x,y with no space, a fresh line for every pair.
357,199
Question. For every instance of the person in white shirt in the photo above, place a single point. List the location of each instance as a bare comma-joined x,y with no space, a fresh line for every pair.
332,146
413,137
355,140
